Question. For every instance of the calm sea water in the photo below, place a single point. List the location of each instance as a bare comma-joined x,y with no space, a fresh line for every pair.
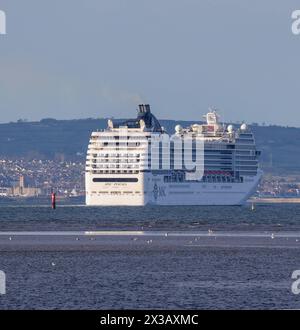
176,277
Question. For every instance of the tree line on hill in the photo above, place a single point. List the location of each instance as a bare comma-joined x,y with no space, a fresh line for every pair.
65,140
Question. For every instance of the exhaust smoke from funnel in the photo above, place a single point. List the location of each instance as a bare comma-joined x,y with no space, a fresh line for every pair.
117,96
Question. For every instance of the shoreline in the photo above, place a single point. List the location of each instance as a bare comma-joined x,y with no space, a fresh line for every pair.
143,240
275,200
46,202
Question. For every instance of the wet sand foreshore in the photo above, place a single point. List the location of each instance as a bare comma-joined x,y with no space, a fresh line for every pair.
140,240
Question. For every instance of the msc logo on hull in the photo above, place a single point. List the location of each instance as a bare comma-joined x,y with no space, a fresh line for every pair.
158,191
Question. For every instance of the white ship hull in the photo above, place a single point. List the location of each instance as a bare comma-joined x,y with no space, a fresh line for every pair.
152,190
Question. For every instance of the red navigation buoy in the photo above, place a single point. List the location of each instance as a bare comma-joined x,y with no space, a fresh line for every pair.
53,200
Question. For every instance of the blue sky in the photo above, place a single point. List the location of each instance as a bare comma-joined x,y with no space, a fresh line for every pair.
98,58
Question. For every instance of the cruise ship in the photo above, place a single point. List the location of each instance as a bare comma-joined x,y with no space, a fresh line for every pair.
136,162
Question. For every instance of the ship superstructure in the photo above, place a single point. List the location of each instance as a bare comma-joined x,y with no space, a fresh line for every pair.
135,162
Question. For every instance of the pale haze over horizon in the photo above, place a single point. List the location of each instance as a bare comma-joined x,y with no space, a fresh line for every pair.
69,59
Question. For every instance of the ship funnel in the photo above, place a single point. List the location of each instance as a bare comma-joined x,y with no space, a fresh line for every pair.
143,108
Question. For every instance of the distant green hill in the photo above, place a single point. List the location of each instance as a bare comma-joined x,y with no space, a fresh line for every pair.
68,139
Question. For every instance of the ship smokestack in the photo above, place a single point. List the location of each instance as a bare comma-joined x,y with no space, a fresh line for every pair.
143,108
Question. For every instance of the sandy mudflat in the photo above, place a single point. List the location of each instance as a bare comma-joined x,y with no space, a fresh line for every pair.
137,240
